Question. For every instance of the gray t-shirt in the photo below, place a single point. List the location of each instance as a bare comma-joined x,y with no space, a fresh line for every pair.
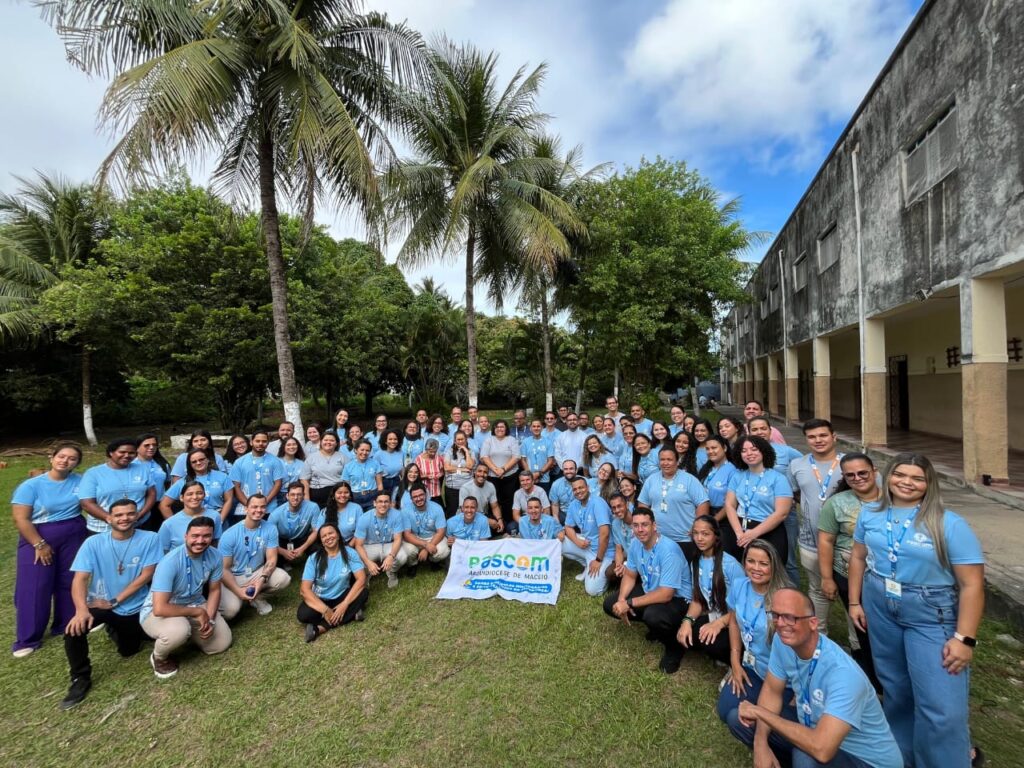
323,471
521,497
462,475
501,450
484,496
813,485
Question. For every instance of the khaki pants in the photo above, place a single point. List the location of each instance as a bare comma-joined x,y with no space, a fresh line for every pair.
173,632
412,553
377,553
231,604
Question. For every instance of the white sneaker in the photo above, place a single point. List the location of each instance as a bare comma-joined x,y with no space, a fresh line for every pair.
392,579
262,606
582,576
97,627
725,680
21,653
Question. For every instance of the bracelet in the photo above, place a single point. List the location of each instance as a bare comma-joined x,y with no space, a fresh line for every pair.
854,605
39,544
689,619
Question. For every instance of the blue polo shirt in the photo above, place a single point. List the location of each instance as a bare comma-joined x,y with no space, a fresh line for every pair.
663,565
622,533
391,462
424,523
752,621
348,518
157,475
102,557
337,576
717,483
362,475
537,451
294,525
179,467
216,484
732,571
107,485
51,500
674,502
257,475
380,530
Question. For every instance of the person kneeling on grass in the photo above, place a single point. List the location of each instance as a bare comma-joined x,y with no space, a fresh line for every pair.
587,536
424,537
536,525
112,573
470,525
622,536
333,585
839,720
378,539
250,562
294,520
662,594
175,609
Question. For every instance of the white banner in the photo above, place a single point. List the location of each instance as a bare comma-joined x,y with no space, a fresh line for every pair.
526,570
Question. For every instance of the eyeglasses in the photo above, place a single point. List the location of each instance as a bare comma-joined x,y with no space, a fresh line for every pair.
861,475
788,619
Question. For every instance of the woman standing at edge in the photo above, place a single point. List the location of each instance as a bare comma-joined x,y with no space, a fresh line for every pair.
333,586
51,528
758,499
917,584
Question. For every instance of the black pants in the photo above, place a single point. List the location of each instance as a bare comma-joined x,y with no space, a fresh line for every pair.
719,649
319,496
308,615
863,657
154,521
776,537
125,631
505,489
451,501
690,550
662,619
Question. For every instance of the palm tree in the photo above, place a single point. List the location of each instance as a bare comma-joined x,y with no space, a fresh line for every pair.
290,95
49,225
471,183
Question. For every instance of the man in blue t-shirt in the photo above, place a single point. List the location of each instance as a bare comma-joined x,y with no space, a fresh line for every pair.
256,473
656,587
424,537
112,573
175,610
839,719
250,562
468,525
378,539
588,537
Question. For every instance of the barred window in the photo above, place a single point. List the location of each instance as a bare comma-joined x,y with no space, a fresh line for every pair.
931,156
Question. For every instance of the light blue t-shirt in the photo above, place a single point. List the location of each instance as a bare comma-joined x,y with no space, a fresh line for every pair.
424,523
755,495
663,565
294,525
116,564
561,494
107,485
172,530
51,500
546,528
622,533
537,451
292,474
257,475
717,483
597,461
247,547
443,441
589,518
157,475
674,502
732,571
752,621
646,467
916,562
179,467
337,575
217,486
615,444
183,577
380,530
348,518
701,458
362,475
832,684
411,449
478,530
391,462
786,455
645,425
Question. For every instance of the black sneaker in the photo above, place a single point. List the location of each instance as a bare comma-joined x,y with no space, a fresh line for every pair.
669,663
76,693
312,633
435,566
360,615
411,571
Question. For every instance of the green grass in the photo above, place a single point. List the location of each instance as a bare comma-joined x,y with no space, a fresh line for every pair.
419,683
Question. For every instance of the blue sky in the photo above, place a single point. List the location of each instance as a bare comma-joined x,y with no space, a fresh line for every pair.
751,93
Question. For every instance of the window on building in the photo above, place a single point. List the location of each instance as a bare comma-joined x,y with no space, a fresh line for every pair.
931,156
828,249
800,272
773,298
764,307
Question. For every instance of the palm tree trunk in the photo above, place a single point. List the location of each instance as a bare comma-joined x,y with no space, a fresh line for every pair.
471,384
90,433
549,395
278,284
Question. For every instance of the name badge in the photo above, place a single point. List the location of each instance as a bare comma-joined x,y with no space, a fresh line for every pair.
291,547
748,660
893,589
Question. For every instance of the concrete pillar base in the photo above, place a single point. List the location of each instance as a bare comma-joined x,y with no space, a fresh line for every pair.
792,401
874,430
823,397
985,422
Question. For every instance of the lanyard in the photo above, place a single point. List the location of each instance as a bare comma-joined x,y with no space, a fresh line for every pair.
823,485
257,540
750,622
188,574
666,486
295,521
258,473
381,529
422,518
710,477
748,495
711,576
894,543
805,689
647,559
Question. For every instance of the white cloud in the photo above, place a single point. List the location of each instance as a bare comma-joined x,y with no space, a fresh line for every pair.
769,75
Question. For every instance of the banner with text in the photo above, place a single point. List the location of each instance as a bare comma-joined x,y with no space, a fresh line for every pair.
526,570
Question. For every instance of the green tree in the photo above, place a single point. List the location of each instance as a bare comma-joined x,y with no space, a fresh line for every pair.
434,347
662,257
290,94
51,228
471,182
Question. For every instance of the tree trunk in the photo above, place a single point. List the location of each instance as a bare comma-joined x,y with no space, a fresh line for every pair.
278,284
616,390
471,384
583,377
90,433
549,395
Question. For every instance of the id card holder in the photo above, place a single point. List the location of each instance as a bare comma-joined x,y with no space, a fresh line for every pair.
748,659
291,546
893,589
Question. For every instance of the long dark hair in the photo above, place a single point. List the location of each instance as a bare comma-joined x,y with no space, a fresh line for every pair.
767,452
708,466
403,483
190,471
688,458
331,507
300,454
717,575
230,455
208,450
157,457
636,456
320,555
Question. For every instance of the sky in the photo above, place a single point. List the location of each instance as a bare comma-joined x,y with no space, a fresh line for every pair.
752,94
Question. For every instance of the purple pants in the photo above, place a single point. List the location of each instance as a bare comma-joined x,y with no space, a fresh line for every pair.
38,587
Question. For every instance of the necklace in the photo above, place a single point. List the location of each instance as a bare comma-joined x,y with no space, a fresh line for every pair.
120,560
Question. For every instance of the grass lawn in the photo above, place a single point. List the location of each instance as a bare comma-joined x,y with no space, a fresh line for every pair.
419,683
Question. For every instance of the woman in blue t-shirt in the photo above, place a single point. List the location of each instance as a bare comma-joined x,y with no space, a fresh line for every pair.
917,584
716,474
51,528
391,459
293,457
333,586
758,499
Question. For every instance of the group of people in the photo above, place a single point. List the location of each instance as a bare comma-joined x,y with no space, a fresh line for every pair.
696,530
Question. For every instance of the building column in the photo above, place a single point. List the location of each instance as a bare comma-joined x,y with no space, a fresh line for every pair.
755,390
983,380
773,386
822,378
792,368
874,385
748,383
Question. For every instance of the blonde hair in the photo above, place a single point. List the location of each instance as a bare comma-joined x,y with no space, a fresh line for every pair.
932,513
779,579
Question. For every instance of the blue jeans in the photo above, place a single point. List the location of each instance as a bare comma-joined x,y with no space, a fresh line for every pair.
925,705
792,525
728,712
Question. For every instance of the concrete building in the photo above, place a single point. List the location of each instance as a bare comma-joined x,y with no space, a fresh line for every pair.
894,294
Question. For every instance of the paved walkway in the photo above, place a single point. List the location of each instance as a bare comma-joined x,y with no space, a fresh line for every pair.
997,517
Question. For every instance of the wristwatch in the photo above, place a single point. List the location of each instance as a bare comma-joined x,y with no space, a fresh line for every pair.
970,642
114,603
